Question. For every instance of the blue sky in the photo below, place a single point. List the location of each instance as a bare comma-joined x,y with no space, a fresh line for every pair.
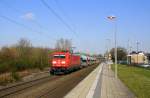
86,17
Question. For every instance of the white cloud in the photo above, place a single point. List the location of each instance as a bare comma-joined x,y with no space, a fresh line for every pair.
28,16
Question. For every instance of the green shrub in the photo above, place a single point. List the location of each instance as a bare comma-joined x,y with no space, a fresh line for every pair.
23,56
15,76
4,67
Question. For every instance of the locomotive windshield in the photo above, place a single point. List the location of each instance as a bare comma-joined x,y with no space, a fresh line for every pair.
59,56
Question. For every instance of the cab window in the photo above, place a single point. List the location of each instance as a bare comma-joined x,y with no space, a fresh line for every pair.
59,56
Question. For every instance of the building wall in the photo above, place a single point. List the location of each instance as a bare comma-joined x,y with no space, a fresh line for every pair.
138,59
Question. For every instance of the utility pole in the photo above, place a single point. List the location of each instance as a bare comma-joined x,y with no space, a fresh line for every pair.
137,51
128,51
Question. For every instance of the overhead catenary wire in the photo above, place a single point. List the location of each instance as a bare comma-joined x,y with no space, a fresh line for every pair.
19,11
58,16
64,13
23,25
67,16
19,24
36,22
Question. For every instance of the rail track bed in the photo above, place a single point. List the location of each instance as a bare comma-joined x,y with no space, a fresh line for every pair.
46,87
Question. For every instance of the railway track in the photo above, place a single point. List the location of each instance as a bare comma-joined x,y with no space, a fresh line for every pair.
46,87
66,85
51,91
22,86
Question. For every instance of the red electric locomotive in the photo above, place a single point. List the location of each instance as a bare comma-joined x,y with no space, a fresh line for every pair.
64,62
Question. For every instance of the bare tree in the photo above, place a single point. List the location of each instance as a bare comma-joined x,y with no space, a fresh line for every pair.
63,44
24,46
24,43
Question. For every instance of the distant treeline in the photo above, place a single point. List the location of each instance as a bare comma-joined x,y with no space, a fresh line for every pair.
23,56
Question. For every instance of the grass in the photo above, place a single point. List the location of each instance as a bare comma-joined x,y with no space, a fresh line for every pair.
136,79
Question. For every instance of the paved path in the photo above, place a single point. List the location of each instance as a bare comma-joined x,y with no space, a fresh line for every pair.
83,88
110,86
101,83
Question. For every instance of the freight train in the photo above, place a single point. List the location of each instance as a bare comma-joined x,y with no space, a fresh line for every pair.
64,62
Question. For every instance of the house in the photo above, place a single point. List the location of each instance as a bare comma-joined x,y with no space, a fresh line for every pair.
137,58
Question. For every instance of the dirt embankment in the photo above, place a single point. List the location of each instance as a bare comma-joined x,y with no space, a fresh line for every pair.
13,77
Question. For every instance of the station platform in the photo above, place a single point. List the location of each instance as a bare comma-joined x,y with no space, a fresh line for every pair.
101,83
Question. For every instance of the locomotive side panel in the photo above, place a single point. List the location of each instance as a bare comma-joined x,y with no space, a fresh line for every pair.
64,62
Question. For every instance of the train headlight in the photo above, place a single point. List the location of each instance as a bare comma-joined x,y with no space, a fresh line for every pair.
54,62
63,62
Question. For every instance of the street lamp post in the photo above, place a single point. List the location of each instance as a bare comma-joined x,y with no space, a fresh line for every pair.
108,48
113,18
